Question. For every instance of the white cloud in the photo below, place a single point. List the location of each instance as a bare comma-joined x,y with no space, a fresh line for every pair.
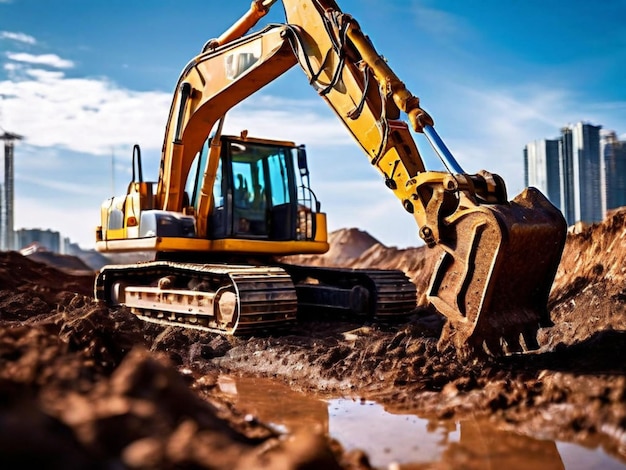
11,67
94,115
82,114
45,75
19,37
304,122
51,60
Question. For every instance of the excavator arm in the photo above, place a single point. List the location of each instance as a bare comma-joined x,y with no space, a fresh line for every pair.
499,257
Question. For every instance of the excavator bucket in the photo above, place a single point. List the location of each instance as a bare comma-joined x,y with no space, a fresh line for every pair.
494,278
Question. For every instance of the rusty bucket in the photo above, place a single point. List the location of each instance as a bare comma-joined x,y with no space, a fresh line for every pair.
494,278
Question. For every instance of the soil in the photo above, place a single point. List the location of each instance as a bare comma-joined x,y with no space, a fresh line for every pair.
83,386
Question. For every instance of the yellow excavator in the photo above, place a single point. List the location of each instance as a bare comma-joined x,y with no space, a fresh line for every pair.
226,208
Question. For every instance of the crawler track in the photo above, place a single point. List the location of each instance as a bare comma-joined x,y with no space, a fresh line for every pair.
240,300
373,293
218,298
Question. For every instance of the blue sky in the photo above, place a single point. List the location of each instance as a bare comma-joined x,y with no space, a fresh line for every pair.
84,81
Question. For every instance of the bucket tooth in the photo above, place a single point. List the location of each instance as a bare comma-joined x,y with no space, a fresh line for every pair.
493,346
495,275
530,340
513,344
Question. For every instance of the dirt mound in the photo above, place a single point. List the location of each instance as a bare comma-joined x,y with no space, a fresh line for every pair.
28,288
82,386
589,291
346,245
17,270
596,254
67,263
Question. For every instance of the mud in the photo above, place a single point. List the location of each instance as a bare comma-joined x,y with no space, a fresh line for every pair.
82,386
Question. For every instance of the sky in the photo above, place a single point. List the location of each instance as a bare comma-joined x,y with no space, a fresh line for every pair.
82,81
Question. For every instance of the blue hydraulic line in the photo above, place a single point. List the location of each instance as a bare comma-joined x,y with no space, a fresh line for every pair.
445,154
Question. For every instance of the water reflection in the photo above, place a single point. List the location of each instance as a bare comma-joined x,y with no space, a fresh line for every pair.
276,404
404,441
416,443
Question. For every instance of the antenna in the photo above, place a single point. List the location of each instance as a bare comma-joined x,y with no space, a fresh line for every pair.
112,171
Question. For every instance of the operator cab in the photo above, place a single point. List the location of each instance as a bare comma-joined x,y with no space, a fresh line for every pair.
260,202
261,191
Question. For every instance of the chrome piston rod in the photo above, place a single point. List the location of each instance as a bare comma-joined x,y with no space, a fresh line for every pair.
443,151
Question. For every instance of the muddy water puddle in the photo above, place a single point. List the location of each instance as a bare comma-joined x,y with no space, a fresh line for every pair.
406,441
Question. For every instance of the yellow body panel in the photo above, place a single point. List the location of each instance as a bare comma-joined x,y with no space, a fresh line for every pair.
227,245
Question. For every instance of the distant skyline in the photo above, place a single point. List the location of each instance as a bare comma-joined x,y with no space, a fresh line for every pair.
577,172
84,81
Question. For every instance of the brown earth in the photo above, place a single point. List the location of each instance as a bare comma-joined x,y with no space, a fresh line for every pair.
82,386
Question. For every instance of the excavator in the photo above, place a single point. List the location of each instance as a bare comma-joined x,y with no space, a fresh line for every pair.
226,209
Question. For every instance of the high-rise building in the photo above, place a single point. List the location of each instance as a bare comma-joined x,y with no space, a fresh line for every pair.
613,160
566,175
571,172
586,166
541,168
7,207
